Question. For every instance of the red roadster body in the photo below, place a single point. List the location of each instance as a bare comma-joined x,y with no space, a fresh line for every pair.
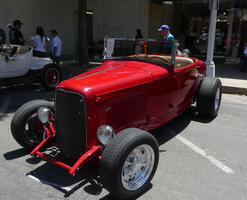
130,93
105,114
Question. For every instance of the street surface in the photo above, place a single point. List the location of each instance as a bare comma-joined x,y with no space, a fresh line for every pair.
199,159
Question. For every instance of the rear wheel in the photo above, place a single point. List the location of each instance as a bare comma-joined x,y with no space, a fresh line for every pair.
26,128
128,163
209,97
50,76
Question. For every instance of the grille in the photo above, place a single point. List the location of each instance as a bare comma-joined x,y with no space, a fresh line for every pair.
71,123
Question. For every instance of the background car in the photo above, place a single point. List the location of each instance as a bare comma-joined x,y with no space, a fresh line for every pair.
17,64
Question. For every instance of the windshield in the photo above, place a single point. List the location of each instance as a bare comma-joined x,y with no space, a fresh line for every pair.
158,51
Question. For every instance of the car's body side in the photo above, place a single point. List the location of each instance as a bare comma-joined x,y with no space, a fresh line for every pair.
16,66
21,63
136,94
39,63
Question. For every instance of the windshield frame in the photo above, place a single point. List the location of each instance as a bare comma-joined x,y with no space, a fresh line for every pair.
170,64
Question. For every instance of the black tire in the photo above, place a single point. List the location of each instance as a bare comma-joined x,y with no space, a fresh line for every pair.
50,76
207,96
27,114
115,155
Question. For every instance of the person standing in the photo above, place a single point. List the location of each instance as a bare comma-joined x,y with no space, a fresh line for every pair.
56,47
9,26
15,35
167,37
2,37
138,44
138,34
244,58
38,42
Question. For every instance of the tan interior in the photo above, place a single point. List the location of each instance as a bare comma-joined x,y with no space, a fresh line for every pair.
180,61
22,49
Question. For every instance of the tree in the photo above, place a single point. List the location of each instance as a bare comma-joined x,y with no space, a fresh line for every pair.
83,43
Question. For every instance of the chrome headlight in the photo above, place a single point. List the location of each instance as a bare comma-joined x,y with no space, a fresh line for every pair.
44,114
105,134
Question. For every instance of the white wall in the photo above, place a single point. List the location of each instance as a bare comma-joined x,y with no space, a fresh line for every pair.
58,14
156,19
119,18
115,18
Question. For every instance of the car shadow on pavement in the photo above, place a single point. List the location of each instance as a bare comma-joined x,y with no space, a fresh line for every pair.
109,197
177,125
87,178
61,180
15,154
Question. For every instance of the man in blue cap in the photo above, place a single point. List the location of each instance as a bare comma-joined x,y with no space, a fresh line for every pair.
167,37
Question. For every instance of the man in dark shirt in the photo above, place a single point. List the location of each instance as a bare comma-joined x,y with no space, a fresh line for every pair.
2,37
15,35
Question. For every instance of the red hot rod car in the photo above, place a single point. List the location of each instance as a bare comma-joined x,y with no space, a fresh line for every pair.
105,114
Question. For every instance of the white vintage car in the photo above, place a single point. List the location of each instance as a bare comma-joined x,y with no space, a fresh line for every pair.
17,63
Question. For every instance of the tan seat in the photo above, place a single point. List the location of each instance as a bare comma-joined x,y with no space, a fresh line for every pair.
180,61
22,49
155,57
183,62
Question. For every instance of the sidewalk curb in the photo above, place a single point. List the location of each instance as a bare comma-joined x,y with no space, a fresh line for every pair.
234,90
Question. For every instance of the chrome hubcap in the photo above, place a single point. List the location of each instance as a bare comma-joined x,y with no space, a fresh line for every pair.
52,77
33,129
138,167
217,99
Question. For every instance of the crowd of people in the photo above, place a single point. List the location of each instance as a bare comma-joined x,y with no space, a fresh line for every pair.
40,42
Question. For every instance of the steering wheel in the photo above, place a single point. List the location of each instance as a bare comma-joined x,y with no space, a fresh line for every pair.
7,48
159,59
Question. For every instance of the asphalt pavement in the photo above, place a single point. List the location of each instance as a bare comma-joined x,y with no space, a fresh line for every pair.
199,158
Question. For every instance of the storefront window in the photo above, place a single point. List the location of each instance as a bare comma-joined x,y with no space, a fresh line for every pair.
197,28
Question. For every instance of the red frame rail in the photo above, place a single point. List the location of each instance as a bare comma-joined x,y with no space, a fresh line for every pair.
94,152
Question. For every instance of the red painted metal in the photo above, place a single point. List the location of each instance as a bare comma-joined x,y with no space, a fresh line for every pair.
53,161
126,94
41,145
86,157
145,47
95,152
52,129
49,136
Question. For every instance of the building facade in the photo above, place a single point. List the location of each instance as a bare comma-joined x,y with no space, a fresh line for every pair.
57,14
117,18
114,18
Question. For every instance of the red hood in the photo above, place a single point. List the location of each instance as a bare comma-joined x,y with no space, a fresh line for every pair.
113,76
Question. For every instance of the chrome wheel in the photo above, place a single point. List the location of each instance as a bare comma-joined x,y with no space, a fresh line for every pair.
52,77
217,99
33,129
138,167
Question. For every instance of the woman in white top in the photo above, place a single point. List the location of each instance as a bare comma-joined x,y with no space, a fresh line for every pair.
39,43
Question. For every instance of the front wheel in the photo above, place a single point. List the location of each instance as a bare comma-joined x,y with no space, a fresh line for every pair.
50,76
26,128
128,163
